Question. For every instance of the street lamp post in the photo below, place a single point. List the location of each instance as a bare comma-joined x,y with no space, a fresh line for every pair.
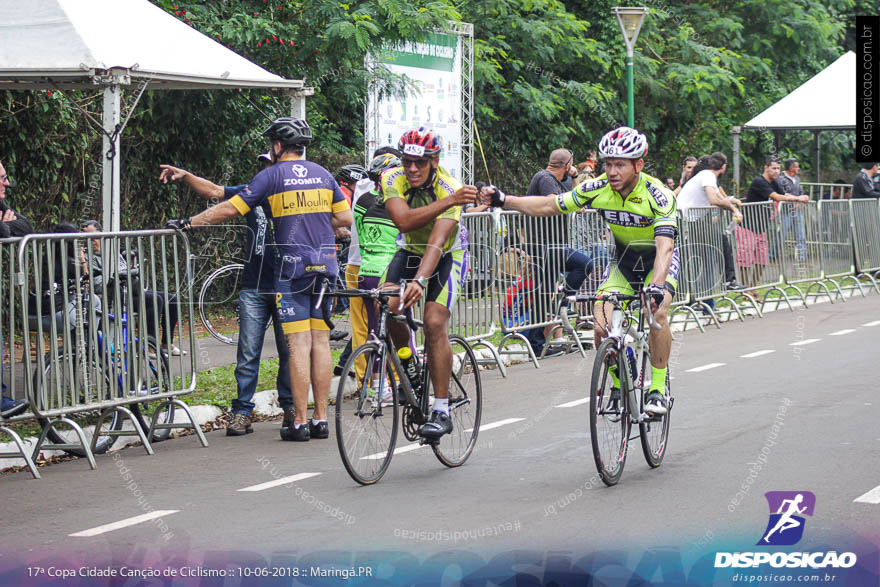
630,20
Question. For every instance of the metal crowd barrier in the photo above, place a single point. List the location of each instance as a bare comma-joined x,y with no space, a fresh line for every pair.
821,191
475,315
531,259
800,249
96,308
835,223
590,235
865,215
755,245
12,375
702,242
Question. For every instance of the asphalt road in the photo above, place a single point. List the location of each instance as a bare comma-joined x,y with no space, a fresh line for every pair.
530,483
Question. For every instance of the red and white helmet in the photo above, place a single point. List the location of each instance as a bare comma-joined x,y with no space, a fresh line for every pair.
419,143
623,143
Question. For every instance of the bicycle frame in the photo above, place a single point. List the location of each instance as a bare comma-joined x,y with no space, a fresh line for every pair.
621,329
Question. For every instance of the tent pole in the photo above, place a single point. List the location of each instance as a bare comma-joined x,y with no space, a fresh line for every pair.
111,196
736,132
818,157
298,102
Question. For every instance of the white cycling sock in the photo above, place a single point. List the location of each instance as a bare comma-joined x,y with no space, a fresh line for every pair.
441,404
316,422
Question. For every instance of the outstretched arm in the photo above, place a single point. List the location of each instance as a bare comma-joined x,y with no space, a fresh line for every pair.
200,185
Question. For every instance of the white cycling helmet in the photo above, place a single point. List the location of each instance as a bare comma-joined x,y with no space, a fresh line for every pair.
623,143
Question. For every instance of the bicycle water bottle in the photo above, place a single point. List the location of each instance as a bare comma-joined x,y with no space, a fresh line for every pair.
631,356
410,365
731,227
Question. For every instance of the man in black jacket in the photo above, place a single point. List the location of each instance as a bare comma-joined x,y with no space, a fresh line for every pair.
11,224
863,184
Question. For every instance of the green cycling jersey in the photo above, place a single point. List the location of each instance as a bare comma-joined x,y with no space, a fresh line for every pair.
648,211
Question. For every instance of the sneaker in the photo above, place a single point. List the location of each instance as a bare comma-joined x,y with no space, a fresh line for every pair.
734,285
319,430
555,351
655,403
338,335
300,434
289,418
438,424
12,407
240,425
387,395
337,371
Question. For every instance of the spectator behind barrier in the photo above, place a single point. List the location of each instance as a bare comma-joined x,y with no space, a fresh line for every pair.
836,192
863,184
11,224
687,167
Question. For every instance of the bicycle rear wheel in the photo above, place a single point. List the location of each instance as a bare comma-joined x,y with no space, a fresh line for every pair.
218,303
154,378
654,433
609,417
61,384
465,406
366,426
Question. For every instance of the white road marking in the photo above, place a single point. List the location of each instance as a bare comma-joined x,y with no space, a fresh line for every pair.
803,342
416,446
705,367
124,523
756,354
874,323
842,332
872,496
277,482
497,424
577,402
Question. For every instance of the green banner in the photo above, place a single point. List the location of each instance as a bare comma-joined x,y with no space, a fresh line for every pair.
436,51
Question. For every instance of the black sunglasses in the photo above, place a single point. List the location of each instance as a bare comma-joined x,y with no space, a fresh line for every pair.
420,163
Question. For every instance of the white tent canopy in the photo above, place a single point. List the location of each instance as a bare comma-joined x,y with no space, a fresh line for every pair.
827,101
111,44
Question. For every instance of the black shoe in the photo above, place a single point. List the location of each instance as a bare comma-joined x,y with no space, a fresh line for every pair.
240,425
338,335
287,422
319,430
337,371
555,351
734,285
438,424
655,404
300,434
13,407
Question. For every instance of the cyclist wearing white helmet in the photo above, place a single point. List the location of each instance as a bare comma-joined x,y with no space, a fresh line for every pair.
640,211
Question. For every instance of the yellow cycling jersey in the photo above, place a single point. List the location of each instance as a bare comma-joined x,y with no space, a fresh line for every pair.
395,185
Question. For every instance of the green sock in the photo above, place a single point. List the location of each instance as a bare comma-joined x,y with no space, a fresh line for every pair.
658,379
615,380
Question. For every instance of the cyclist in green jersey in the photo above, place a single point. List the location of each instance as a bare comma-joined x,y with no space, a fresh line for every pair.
640,211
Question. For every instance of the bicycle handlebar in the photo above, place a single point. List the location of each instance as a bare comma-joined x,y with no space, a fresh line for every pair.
379,294
616,299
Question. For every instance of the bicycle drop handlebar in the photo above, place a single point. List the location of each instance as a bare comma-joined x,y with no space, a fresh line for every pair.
378,294
616,299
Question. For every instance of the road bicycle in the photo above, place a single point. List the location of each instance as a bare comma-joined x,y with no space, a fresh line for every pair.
138,366
614,411
218,303
367,417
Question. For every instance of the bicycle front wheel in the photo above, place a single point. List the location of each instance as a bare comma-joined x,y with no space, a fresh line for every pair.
609,417
218,303
366,422
465,406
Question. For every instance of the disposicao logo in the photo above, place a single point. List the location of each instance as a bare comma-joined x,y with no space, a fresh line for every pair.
785,528
786,524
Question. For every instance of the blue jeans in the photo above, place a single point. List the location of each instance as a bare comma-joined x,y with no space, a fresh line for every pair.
794,221
255,310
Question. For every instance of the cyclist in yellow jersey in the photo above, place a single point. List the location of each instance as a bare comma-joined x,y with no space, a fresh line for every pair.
425,202
640,211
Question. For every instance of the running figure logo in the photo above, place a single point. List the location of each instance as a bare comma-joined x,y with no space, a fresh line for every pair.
786,525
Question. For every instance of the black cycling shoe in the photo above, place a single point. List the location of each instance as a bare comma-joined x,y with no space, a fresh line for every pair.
319,430
294,434
438,424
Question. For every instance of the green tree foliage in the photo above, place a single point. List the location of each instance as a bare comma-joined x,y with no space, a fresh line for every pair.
548,73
